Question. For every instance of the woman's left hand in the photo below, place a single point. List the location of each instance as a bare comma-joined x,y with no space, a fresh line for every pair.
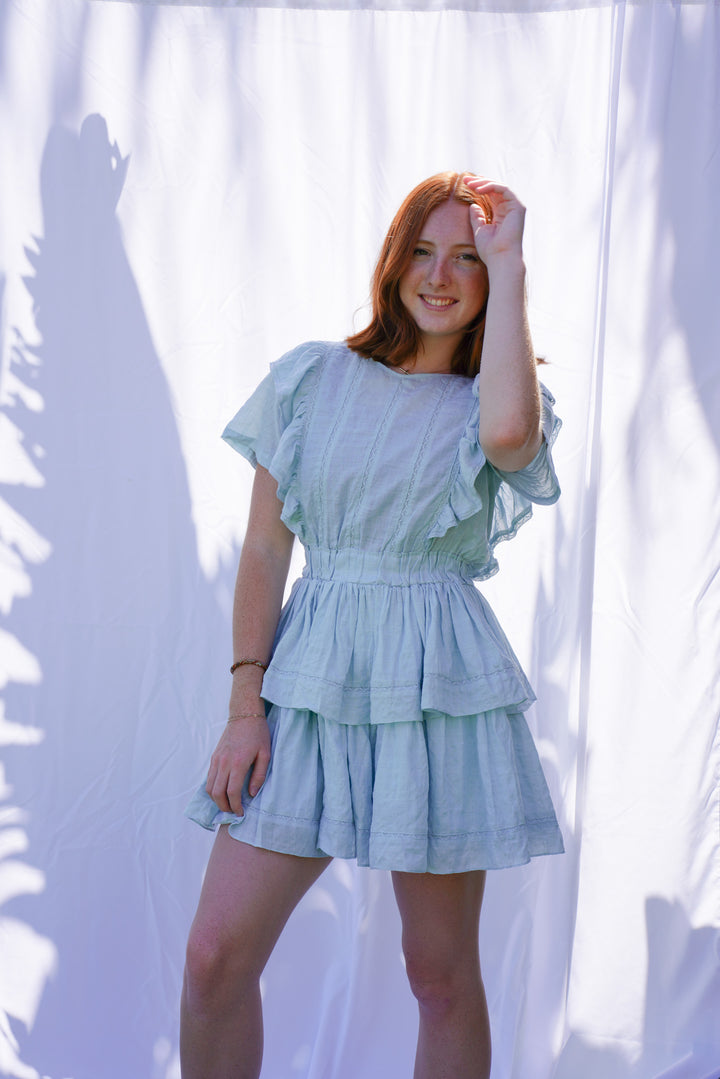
503,235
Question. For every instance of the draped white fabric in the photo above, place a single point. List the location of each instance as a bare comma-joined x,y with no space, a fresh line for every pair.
187,192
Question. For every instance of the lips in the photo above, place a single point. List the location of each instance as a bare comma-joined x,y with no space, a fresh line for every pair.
438,302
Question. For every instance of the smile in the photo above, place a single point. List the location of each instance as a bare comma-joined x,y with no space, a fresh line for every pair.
438,301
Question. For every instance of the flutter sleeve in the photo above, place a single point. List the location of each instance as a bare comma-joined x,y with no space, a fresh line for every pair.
269,428
256,429
485,504
537,481
514,492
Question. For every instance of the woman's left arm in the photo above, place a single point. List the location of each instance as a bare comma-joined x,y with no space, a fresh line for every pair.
509,430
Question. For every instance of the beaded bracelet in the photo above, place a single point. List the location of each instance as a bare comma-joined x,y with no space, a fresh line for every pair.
246,715
246,663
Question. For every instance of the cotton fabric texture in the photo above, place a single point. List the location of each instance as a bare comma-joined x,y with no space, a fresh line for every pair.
394,699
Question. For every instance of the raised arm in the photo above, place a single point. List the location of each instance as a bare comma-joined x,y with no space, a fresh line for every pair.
509,430
264,562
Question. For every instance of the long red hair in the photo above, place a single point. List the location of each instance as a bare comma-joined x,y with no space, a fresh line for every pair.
392,335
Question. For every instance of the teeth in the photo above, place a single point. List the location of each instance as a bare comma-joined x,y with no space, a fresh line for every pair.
438,301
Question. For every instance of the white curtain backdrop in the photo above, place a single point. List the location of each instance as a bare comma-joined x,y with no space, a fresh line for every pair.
188,191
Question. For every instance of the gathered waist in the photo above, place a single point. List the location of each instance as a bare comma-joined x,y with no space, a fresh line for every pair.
353,565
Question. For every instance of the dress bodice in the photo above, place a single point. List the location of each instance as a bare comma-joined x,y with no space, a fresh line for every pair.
383,479
369,459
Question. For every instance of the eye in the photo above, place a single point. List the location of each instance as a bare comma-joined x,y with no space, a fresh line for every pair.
419,252
468,257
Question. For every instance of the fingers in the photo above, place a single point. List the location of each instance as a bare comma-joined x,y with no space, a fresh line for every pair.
242,752
259,773
225,790
480,185
477,183
478,215
497,219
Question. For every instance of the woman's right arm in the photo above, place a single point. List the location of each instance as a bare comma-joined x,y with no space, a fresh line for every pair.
264,563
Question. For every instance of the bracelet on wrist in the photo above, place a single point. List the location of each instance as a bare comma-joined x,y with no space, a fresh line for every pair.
246,715
248,663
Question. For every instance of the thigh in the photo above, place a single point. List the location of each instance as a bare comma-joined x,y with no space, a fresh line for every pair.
440,915
248,895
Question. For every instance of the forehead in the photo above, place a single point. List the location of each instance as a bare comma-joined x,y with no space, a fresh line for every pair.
449,223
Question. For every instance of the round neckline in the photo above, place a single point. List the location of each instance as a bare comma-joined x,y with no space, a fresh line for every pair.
406,375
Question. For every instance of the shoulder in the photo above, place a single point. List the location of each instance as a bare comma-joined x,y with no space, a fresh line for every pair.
312,355
317,350
314,358
299,373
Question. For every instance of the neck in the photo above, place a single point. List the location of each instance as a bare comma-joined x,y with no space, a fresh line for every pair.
434,356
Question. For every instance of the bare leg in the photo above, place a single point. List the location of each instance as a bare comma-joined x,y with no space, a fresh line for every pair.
440,916
247,897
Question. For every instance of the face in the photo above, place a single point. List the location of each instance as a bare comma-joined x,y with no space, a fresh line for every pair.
445,285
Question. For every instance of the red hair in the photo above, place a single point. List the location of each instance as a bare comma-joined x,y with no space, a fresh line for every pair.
392,335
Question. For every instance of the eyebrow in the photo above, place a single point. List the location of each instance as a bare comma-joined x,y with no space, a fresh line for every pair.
431,243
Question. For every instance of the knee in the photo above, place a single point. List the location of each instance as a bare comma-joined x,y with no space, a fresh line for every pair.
437,983
213,967
204,962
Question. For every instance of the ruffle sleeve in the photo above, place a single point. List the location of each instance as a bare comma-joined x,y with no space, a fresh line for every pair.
537,482
492,503
269,428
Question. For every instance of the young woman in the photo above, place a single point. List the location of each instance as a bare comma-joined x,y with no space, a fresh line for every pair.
379,716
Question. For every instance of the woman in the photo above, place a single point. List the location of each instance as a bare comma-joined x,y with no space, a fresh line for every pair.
380,715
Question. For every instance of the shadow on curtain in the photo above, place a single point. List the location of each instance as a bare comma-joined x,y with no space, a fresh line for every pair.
117,658
110,616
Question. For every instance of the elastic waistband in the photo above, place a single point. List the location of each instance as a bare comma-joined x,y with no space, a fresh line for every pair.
351,565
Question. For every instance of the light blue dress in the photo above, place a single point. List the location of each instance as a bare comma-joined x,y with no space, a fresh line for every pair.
394,698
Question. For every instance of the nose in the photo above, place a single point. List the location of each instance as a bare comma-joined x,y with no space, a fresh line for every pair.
439,275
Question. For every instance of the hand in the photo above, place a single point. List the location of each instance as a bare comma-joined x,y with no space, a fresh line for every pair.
243,747
503,235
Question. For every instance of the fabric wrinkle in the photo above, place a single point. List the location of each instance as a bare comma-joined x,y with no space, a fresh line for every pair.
395,700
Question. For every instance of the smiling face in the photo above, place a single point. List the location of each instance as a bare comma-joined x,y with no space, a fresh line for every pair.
445,285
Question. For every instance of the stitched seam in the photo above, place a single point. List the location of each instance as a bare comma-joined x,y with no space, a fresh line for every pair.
450,561
376,833
388,685
434,581
416,462
355,510
329,446
341,685
495,832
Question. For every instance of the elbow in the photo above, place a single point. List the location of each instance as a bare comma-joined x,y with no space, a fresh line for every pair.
512,446
266,556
